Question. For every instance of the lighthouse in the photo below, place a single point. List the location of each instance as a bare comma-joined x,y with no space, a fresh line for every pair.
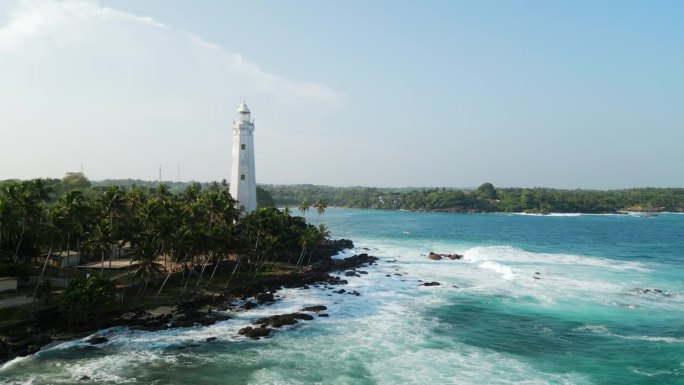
243,176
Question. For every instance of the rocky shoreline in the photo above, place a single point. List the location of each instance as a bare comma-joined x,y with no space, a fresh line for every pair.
193,309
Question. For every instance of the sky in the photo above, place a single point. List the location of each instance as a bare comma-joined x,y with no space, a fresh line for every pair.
566,94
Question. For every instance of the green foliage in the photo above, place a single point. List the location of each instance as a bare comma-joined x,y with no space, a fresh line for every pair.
87,298
486,198
278,235
8,269
486,191
264,198
75,180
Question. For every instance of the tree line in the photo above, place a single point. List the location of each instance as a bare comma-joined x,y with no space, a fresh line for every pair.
485,198
194,231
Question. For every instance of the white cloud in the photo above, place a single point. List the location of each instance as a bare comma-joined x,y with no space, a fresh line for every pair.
85,84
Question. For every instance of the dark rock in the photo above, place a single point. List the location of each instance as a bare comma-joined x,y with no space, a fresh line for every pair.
535,277
397,274
277,321
211,339
97,340
341,291
84,378
430,284
353,261
254,333
649,290
323,315
315,308
362,272
437,257
265,297
351,274
249,305
388,275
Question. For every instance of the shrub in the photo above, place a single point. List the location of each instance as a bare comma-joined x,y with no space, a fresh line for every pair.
87,298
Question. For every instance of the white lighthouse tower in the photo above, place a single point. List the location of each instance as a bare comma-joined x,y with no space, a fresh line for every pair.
243,176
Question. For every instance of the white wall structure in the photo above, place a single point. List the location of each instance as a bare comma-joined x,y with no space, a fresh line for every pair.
243,175
8,284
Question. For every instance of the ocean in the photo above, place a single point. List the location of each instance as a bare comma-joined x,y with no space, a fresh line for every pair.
554,299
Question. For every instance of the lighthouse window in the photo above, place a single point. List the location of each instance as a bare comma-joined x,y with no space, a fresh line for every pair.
243,146
242,177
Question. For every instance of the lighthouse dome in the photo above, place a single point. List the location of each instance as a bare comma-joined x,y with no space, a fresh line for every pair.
243,109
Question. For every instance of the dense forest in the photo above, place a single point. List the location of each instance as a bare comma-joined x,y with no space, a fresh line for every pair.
194,230
485,198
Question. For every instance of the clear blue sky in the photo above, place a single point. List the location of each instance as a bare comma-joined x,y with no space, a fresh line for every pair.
585,94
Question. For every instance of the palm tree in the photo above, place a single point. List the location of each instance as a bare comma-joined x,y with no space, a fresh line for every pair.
306,240
146,251
323,232
72,211
112,204
49,230
9,219
29,199
304,207
180,248
320,206
101,239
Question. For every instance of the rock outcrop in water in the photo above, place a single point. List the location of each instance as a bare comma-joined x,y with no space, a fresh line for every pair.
277,321
437,257
254,333
316,308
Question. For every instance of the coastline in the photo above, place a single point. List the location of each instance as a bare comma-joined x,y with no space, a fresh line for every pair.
531,213
200,308
496,314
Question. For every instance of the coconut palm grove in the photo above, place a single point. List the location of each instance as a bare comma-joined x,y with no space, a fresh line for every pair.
138,246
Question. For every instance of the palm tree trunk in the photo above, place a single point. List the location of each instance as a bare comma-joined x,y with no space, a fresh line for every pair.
217,263
102,263
204,266
233,273
111,247
68,255
167,276
21,238
40,279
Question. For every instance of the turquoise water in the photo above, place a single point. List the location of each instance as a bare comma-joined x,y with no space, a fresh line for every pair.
591,299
